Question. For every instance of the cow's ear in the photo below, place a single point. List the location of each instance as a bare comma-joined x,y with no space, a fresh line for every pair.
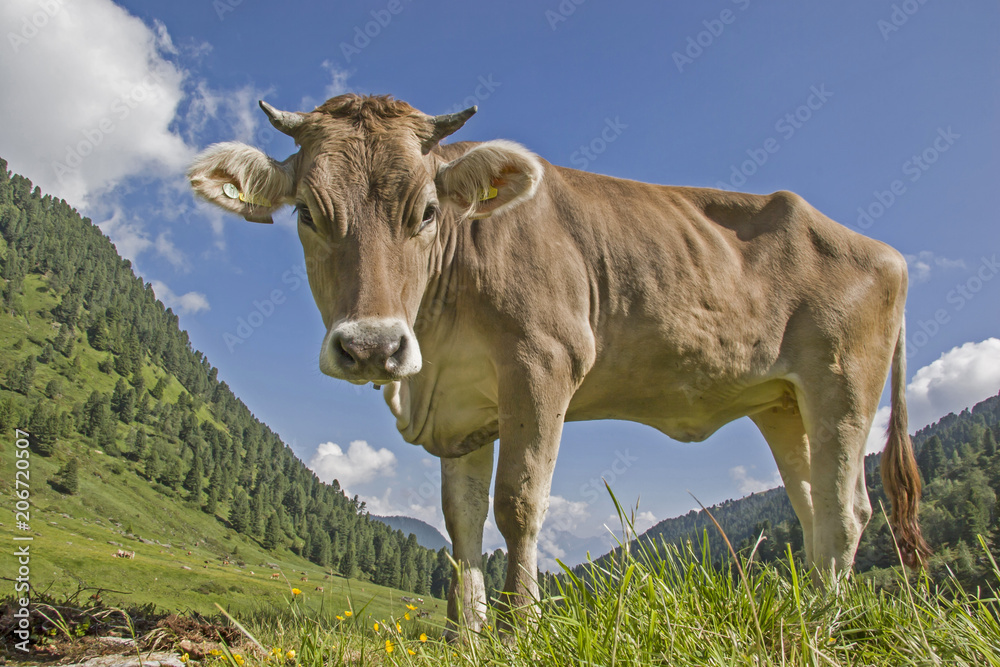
243,180
492,177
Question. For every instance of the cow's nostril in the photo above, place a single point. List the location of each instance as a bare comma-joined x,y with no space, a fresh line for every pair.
394,354
348,357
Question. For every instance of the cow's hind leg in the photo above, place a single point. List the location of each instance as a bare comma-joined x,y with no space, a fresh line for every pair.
465,489
786,435
837,425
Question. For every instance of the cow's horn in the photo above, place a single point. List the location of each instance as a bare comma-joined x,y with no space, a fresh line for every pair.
446,124
284,121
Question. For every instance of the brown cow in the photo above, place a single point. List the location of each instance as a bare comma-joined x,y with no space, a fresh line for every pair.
494,295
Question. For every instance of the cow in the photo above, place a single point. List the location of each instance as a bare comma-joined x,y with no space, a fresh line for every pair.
493,296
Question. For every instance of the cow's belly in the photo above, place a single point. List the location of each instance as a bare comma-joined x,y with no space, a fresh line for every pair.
686,414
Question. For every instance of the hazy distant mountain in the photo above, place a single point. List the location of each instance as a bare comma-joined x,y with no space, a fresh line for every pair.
427,535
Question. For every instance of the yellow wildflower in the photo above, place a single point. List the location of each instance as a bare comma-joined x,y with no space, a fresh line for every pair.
376,626
399,628
423,636
291,654
411,607
185,657
296,591
348,613
388,646
340,618
411,651
239,659
406,616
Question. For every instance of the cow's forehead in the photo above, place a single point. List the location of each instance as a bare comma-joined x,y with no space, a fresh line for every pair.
364,166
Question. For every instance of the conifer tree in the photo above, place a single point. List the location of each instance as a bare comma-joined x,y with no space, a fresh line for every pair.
157,390
239,512
192,482
272,533
22,376
47,355
349,561
139,444
66,479
44,428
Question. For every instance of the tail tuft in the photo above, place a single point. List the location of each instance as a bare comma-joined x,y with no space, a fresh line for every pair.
900,475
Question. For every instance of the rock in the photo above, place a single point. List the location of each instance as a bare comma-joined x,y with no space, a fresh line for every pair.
119,641
160,659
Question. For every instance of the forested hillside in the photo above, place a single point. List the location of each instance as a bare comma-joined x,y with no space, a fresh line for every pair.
960,467
110,388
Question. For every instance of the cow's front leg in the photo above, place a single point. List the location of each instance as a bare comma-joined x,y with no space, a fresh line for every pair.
465,499
532,406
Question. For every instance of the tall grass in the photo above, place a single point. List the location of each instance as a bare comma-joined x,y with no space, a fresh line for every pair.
675,608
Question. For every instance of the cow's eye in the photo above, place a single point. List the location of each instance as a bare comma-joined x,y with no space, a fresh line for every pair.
305,217
430,215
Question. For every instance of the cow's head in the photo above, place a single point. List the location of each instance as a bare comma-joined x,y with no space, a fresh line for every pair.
372,196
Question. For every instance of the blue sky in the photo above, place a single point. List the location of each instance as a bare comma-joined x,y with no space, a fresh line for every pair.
884,115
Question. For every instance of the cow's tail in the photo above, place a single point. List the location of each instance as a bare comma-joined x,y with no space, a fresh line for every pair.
900,475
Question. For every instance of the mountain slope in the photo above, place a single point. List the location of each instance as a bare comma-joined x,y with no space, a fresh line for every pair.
133,436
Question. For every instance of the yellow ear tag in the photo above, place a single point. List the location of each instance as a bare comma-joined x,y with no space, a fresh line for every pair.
255,201
486,195
233,192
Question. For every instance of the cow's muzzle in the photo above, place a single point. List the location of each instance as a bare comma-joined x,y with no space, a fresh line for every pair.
370,350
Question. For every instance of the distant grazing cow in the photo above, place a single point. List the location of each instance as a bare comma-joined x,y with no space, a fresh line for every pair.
276,575
304,579
494,295
319,589
120,553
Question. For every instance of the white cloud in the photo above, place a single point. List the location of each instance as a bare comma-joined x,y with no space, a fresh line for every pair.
338,80
746,483
237,109
336,86
104,110
185,304
361,463
923,264
166,248
126,233
641,522
644,521
563,516
960,378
